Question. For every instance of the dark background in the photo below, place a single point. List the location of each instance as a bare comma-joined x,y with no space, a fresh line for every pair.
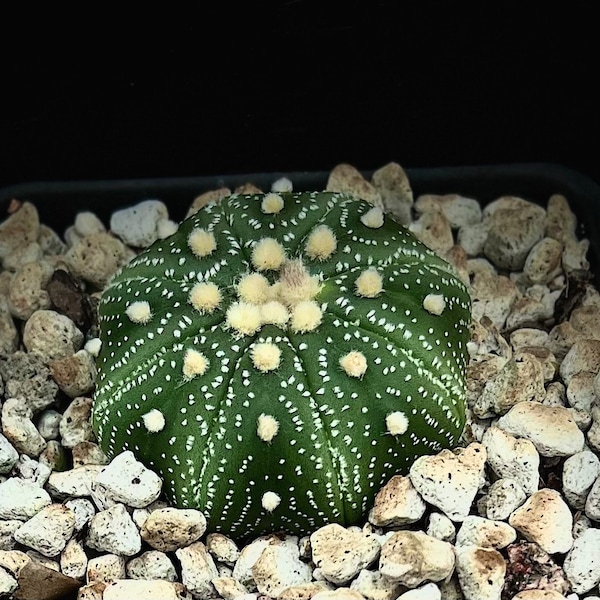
294,86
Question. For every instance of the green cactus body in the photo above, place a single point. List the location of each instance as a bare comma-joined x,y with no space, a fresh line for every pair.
280,357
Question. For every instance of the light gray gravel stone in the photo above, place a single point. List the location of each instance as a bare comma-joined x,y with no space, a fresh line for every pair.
48,531
481,572
74,483
106,568
127,589
412,558
441,527
8,455
459,210
112,530
578,476
504,496
7,529
396,193
83,510
8,584
74,374
48,424
51,335
551,429
545,519
19,429
28,290
229,588
341,553
197,570
433,229
32,470
582,563
137,225
127,480
453,496
584,355
75,426
485,533
21,500
223,549
249,554
543,261
592,504
375,586
279,567
87,223
152,565
397,503
21,227
429,591
9,336
168,529
73,559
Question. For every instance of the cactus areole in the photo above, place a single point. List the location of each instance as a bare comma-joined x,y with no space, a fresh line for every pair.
280,357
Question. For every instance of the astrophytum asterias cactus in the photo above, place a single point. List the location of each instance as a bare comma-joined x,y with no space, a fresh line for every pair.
280,357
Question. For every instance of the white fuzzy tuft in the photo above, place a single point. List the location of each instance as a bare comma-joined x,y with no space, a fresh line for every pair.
139,312
266,356
202,242
369,283
254,288
271,204
306,316
434,303
267,254
154,421
373,218
93,346
267,427
243,317
321,243
396,423
205,297
283,184
274,313
194,364
354,363
270,501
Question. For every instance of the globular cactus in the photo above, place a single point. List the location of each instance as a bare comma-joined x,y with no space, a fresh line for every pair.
280,357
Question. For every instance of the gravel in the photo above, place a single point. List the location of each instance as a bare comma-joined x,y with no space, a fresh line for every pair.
513,514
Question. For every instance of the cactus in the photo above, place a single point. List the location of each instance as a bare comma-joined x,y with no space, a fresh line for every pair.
280,357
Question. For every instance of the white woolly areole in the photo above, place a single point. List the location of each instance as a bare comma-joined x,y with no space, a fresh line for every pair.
266,356
270,501
93,346
271,204
283,184
194,363
202,242
434,303
205,297
321,243
254,288
274,313
139,312
154,421
354,363
369,283
267,254
243,317
396,423
373,218
267,427
306,316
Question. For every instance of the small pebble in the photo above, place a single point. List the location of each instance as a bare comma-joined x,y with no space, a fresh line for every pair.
152,565
113,531
137,225
168,529
48,531
481,572
197,569
51,335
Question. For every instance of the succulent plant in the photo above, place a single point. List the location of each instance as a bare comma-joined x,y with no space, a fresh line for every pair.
280,357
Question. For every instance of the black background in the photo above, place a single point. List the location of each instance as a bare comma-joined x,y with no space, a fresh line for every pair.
294,86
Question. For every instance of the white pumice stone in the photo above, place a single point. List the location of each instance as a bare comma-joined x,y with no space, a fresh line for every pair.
552,430
413,557
8,584
429,591
504,496
51,335
168,529
19,430
372,584
582,563
87,222
138,226
229,588
48,531
74,483
7,530
32,470
592,504
545,595
459,210
279,567
21,500
83,510
545,519
75,374
75,425
112,530
127,480
249,554
8,455
511,457
282,184
486,533
441,527
106,568
48,425
152,565
126,589
198,569
73,559
580,471
481,572
449,481
27,293
340,553
584,355
433,229
397,504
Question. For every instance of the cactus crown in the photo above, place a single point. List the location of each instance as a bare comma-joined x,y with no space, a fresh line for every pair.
280,357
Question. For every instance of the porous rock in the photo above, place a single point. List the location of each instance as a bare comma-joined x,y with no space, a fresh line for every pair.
168,529
480,571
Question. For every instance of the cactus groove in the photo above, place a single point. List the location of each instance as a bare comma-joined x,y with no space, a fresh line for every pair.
280,357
